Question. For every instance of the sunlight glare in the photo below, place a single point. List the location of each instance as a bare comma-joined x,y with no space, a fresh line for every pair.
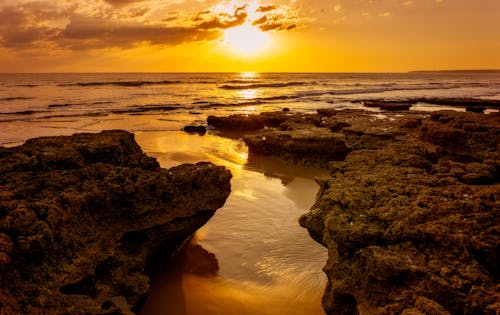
246,39
247,94
248,75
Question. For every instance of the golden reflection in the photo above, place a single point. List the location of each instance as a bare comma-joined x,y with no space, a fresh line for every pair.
247,298
248,75
248,94
245,193
174,148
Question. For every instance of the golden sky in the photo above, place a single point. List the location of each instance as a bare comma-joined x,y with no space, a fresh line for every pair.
256,35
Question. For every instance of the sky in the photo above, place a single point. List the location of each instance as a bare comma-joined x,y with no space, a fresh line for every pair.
255,35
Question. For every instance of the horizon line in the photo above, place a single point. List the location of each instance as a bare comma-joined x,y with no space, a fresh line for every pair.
270,72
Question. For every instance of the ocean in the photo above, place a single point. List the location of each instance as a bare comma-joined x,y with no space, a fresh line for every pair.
268,264
49,104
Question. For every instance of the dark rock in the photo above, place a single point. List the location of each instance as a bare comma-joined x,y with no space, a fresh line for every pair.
388,105
273,119
88,217
327,112
201,130
6,244
301,121
475,109
461,102
199,261
334,124
237,122
307,146
409,223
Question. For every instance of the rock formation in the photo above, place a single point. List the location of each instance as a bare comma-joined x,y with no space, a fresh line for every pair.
411,216
86,219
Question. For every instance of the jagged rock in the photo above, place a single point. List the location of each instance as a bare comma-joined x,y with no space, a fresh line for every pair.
334,124
309,146
411,224
89,217
388,105
201,130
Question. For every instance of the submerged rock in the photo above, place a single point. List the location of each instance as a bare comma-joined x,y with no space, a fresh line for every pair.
201,130
86,219
388,105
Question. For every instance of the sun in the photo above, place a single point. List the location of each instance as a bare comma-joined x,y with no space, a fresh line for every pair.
246,39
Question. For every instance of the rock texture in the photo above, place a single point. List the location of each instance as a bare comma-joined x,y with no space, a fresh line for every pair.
412,223
84,221
411,211
470,104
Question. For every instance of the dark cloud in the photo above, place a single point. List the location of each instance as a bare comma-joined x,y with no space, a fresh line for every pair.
221,20
22,28
276,22
121,3
260,20
85,33
266,8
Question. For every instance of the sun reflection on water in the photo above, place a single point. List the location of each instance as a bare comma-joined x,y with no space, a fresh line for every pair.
249,75
248,94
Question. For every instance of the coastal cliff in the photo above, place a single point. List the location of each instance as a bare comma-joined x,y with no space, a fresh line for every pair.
410,213
85,221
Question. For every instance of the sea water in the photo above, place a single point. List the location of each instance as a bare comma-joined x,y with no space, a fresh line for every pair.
50,104
268,264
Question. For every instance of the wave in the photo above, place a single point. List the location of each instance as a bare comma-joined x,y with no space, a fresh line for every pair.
77,104
26,85
144,109
16,98
122,83
262,85
243,81
24,112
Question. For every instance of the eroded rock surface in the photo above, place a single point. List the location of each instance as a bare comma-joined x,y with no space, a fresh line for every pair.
84,220
412,226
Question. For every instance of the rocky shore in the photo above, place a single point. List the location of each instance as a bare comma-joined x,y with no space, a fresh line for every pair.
86,220
410,213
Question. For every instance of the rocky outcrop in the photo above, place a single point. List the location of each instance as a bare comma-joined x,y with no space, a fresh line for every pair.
470,104
412,225
86,219
308,146
313,139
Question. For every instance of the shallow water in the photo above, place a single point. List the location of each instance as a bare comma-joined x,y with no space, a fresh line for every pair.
268,264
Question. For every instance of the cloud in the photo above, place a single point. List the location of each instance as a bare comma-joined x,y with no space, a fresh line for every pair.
276,18
23,27
85,33
27,27
81,25
121,3
266,8
222,20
